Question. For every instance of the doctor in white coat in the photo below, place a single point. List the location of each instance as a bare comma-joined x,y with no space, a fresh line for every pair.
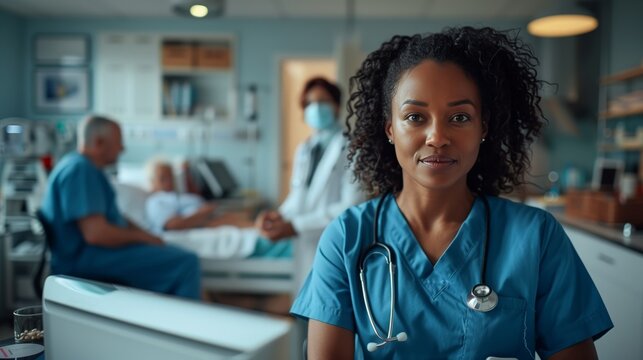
322,184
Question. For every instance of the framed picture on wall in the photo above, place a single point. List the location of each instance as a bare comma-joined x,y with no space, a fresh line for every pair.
61,90
61,49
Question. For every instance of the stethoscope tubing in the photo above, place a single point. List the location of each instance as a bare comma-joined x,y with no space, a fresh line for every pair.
475,302
391,270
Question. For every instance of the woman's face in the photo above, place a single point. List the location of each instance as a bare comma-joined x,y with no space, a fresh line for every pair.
436,126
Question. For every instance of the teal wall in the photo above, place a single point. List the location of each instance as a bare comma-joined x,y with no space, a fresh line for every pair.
12,43
260,44
626,35
619,38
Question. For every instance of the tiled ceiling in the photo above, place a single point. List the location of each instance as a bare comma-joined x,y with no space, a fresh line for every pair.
462,9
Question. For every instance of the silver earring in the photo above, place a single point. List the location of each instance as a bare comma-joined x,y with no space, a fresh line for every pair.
483,139
390,141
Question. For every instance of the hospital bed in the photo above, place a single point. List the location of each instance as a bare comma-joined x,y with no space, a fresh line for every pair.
238,275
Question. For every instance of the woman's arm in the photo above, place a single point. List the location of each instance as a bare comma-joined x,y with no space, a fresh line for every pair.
329,342
583,350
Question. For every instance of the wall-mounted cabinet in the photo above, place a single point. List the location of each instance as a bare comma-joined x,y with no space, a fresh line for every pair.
127,76
628,101
156,77
198,78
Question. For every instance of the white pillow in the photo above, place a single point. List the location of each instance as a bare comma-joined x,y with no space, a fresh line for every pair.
131,202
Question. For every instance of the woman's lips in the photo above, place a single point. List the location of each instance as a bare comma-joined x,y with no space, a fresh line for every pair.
437,161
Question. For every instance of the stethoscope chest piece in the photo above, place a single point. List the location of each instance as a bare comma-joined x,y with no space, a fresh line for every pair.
482,298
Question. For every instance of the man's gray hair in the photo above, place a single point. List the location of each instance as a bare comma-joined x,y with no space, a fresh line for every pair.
92,127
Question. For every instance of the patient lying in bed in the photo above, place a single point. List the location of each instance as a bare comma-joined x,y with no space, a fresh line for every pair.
187,220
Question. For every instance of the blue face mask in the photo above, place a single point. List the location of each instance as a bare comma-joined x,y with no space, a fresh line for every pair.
319,115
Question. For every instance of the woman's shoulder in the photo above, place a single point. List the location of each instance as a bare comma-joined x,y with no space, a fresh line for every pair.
354,220
359,212
513,211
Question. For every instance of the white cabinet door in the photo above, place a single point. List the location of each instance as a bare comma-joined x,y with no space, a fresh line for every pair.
616,272
128,77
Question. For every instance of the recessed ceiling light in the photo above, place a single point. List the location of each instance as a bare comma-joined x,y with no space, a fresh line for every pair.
198,10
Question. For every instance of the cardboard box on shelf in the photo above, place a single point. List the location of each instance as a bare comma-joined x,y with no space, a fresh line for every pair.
178,55
604,207
213,56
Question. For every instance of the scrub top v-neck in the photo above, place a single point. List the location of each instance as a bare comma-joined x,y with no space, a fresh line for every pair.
539,279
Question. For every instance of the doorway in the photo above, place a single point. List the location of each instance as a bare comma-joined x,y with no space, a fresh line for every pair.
294,73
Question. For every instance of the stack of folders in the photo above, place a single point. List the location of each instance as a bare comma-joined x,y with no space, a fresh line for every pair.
178,98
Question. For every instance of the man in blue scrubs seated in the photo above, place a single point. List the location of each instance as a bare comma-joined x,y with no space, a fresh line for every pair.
442,126
92,239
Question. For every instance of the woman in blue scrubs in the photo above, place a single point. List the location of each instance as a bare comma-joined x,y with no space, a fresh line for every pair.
442,125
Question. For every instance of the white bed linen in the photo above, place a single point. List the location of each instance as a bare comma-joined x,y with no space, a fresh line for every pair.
223,242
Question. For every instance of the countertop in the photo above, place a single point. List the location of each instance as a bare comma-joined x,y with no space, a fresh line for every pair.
608,232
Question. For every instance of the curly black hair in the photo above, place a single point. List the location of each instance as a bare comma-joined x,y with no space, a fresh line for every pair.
504,69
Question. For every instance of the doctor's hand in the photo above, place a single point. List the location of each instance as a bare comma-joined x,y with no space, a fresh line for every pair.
273,226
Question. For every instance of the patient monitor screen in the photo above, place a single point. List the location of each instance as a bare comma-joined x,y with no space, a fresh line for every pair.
13,140
217,180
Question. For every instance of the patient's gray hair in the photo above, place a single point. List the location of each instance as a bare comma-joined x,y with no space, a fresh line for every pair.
92,127
155,163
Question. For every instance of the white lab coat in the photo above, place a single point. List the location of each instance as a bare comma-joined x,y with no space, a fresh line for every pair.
332,190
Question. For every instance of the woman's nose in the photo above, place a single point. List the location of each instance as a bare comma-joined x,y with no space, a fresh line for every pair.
437,135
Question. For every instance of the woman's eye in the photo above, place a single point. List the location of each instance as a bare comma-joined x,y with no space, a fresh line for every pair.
413,117
460,118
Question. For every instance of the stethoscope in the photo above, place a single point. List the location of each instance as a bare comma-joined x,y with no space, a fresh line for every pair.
481,297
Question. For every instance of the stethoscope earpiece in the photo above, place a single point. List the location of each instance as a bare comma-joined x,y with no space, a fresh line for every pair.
372,346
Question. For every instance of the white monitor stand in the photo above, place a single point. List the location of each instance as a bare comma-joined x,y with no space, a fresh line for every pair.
91,320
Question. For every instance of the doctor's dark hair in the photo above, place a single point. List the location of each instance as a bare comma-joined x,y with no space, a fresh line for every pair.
332,89
504,69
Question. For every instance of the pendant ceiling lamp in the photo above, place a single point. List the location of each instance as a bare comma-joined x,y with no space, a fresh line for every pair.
563,20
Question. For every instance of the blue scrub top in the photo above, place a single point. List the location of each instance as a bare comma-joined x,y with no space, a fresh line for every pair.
547,300
76,189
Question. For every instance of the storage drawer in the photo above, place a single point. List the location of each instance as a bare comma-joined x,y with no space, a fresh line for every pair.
178,55
213,56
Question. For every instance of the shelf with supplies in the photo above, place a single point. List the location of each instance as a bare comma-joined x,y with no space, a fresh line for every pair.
606,147
145,77
620,131
617,114
198,78
623,76
629,101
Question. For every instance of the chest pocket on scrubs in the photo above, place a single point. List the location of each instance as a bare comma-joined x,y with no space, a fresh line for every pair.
501,332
